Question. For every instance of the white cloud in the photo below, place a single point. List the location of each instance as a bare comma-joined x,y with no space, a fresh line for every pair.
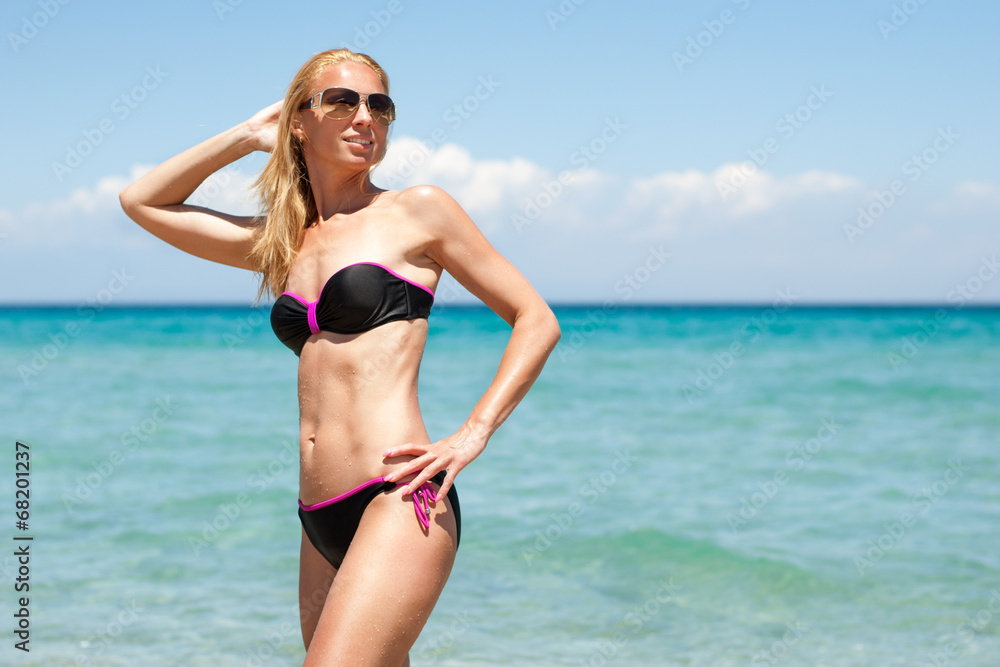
976,189
728,193
483,187
583,232
495,191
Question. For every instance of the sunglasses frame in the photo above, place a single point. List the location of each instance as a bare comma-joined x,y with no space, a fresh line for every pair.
315,101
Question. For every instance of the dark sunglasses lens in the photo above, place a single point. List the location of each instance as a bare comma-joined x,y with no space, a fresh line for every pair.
380,104
381,108
340,102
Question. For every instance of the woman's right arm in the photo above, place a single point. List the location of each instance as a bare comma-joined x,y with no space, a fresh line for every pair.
156,201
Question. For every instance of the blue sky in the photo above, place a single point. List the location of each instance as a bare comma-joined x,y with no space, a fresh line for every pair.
633,151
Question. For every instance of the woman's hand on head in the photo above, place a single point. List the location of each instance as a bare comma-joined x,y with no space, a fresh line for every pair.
452,454
263,127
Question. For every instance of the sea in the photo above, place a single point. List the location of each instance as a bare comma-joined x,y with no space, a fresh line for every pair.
684,485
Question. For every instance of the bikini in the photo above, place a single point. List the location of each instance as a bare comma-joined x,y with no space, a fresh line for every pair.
355,299
330,525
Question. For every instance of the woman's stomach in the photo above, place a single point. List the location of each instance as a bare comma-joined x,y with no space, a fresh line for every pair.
351,410
339,454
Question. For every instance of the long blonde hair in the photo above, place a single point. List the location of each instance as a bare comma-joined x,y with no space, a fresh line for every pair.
283,186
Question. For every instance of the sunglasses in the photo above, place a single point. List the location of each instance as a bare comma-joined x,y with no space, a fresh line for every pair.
341,103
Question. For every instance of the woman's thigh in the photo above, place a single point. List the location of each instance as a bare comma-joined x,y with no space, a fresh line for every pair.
315,578
387,585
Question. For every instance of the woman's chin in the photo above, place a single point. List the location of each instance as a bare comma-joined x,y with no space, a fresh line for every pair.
366,158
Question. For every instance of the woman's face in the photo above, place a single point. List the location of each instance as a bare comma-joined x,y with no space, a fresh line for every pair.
356,141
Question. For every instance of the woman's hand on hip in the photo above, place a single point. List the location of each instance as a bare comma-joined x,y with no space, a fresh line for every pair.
452,454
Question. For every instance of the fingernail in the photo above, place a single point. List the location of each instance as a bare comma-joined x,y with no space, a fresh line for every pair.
386,453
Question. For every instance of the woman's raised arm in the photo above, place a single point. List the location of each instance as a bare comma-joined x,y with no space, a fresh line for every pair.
156,200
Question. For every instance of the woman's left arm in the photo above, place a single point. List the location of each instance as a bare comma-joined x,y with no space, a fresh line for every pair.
461,249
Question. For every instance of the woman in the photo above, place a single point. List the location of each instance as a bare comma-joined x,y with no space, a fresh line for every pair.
353,269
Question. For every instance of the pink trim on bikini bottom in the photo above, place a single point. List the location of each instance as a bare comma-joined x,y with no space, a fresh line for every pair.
421,497
346,494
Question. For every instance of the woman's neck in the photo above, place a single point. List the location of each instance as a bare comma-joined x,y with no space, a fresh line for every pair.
338,194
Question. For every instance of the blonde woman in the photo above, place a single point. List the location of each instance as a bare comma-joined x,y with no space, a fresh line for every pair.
353,270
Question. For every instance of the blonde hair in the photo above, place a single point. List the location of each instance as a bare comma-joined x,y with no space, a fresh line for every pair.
283,186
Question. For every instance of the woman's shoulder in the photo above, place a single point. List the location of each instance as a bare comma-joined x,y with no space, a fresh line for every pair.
423,196
429,205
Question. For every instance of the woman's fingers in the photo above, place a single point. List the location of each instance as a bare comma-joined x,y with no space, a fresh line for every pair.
425,476
264,126
450,454
405,449
451,465
413,467
268,114
424,471
424,467
449,479
410,467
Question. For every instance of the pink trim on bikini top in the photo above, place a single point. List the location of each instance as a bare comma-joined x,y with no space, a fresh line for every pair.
311,305
421,497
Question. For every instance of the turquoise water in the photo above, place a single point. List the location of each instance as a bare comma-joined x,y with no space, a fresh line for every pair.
689,486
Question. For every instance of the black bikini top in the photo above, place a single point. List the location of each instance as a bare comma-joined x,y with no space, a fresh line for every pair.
355,299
